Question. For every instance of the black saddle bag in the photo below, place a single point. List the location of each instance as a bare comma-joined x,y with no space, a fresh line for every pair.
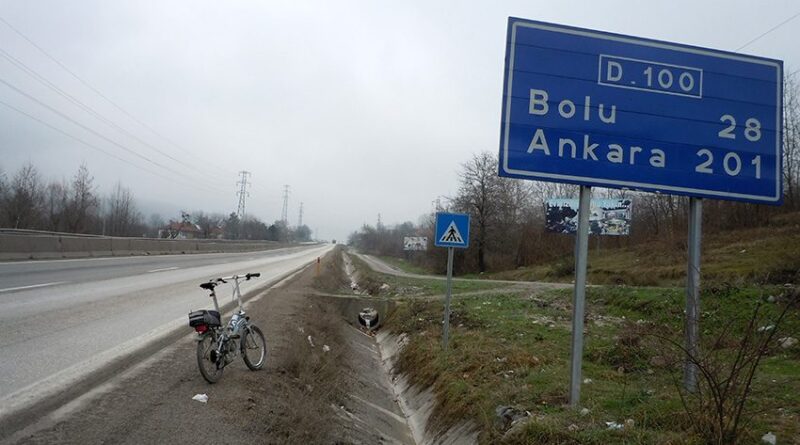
204,317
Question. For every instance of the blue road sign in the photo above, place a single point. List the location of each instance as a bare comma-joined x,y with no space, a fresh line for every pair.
452,230
600,109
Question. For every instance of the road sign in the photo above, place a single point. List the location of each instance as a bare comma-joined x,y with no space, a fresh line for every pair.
452,230
600,109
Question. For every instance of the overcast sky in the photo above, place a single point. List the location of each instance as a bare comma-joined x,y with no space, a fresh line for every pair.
362,107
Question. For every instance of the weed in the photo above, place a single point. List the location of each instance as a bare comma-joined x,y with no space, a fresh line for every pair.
717,406
513,350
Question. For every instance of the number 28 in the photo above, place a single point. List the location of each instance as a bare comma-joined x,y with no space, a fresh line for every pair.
752,128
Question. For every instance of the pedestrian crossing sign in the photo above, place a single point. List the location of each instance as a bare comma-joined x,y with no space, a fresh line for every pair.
452,230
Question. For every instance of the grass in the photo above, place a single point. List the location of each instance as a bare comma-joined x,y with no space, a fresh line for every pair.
404,265
414,287
513,350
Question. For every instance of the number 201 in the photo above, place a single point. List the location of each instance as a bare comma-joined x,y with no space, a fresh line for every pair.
752,128
731,163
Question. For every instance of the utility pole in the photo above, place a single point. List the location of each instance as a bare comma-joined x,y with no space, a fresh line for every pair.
242,192
379,222
285,211
300,217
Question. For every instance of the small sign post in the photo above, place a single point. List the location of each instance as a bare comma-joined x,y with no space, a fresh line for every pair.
452,231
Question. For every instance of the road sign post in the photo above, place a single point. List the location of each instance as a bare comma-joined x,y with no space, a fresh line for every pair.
452,231
606,110
579,295
448,295
693,292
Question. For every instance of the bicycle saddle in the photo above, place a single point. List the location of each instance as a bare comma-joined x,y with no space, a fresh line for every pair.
209,285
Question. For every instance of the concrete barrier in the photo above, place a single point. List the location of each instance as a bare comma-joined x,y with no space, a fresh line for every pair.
121,246
80,247
20,246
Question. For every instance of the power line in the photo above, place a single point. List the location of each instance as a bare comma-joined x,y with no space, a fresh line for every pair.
44,81
107,99
768,31
90,145
92,88
77,102
90,130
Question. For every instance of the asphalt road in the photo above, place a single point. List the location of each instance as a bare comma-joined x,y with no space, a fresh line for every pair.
59,317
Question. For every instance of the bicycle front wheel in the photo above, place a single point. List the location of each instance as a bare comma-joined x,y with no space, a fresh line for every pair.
207,360
254,348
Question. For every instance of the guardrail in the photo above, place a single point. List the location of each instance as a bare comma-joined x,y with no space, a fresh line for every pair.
19,245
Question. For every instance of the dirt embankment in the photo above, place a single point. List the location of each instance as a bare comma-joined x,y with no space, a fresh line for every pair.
322,384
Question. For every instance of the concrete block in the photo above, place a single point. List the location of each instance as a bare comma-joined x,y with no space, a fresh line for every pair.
121,246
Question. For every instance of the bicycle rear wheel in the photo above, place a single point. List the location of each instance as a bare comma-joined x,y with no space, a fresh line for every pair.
207,359
254,348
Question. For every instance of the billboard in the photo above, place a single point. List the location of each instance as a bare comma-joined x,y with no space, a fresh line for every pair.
608,216
415,243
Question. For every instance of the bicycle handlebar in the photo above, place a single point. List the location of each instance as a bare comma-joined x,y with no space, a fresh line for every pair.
214,282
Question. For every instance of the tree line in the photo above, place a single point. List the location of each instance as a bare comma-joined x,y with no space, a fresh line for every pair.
76,206
508,215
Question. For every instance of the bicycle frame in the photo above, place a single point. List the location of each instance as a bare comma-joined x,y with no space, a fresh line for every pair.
236,292
232,338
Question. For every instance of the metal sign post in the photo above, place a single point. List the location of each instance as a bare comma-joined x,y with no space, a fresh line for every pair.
693,291
579,295
452,230
446,335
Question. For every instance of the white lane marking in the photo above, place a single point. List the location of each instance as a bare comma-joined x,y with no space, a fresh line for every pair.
164,269
33,286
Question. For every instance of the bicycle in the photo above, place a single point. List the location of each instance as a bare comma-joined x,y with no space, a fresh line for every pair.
218,346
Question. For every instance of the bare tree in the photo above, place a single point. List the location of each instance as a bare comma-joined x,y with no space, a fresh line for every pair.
233,226
791,141
122,216
3,194
477,195
83,203
207,222
514,210
23,203
55,205
154,225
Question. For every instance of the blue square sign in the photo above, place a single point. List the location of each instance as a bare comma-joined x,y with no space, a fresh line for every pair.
452,230
600,109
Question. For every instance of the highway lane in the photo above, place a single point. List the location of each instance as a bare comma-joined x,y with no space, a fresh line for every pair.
20,274
92,308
